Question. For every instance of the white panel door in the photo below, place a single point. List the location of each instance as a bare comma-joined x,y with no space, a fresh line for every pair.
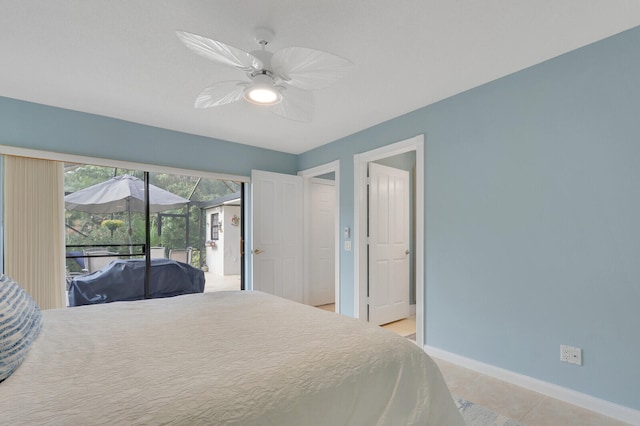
321,230
388,244
277,238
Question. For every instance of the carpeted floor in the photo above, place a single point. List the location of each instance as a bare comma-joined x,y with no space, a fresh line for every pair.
477,415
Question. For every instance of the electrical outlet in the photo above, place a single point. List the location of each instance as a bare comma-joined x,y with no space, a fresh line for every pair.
570,354
564,353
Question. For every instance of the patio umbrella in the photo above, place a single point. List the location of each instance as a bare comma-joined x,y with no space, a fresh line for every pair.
122,194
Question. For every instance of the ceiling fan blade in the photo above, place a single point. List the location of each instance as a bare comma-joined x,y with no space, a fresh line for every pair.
297,105
220,52
308,69
222,93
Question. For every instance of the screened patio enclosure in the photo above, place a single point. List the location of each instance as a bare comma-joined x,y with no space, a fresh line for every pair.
104,223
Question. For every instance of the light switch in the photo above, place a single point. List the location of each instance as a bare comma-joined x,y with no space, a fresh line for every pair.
347,245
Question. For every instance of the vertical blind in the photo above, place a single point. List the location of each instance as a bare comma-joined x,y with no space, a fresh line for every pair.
34,228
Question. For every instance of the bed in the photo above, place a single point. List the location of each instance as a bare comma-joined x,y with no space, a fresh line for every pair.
229,358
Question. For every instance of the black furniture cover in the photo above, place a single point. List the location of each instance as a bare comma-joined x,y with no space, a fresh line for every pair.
123,280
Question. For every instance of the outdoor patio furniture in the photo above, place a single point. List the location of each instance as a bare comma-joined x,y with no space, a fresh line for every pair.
158,253
181,255
123,280
96,259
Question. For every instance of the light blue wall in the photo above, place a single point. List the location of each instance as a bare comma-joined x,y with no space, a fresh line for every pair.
532,192
34,126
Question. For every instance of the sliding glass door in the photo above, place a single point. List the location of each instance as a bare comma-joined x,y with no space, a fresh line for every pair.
109,232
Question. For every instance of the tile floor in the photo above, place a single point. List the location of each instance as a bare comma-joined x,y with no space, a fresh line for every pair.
404,327
214,282
331,307
528,407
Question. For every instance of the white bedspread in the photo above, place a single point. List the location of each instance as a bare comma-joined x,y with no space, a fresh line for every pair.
232,358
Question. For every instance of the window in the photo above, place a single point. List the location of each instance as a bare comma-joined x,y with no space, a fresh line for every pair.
110,231
215,226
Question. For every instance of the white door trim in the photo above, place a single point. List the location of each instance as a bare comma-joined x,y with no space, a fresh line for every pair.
360,219
307,174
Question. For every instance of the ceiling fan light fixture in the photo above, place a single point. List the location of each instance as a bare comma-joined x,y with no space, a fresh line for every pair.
283,80
262,91
262,96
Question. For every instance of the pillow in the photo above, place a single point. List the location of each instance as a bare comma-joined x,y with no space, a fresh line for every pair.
20,323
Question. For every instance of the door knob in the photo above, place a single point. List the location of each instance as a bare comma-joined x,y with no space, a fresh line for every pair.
257,251
407,252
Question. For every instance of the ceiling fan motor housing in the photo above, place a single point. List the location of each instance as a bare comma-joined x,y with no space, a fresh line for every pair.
265,57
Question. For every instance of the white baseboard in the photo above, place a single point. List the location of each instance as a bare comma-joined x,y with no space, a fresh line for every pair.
606,408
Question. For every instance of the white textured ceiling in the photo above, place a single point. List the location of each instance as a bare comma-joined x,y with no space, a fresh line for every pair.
121,58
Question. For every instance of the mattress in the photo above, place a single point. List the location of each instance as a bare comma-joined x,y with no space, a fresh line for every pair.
228,358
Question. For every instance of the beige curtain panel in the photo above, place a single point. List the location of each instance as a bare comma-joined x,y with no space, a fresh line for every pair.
34,228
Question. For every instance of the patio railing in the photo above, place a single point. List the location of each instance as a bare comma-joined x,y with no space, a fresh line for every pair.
74,254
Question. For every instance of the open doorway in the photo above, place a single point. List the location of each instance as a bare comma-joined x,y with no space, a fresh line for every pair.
322,236
390,153
223,246
282,236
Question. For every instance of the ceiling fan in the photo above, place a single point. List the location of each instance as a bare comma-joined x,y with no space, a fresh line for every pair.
283,81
